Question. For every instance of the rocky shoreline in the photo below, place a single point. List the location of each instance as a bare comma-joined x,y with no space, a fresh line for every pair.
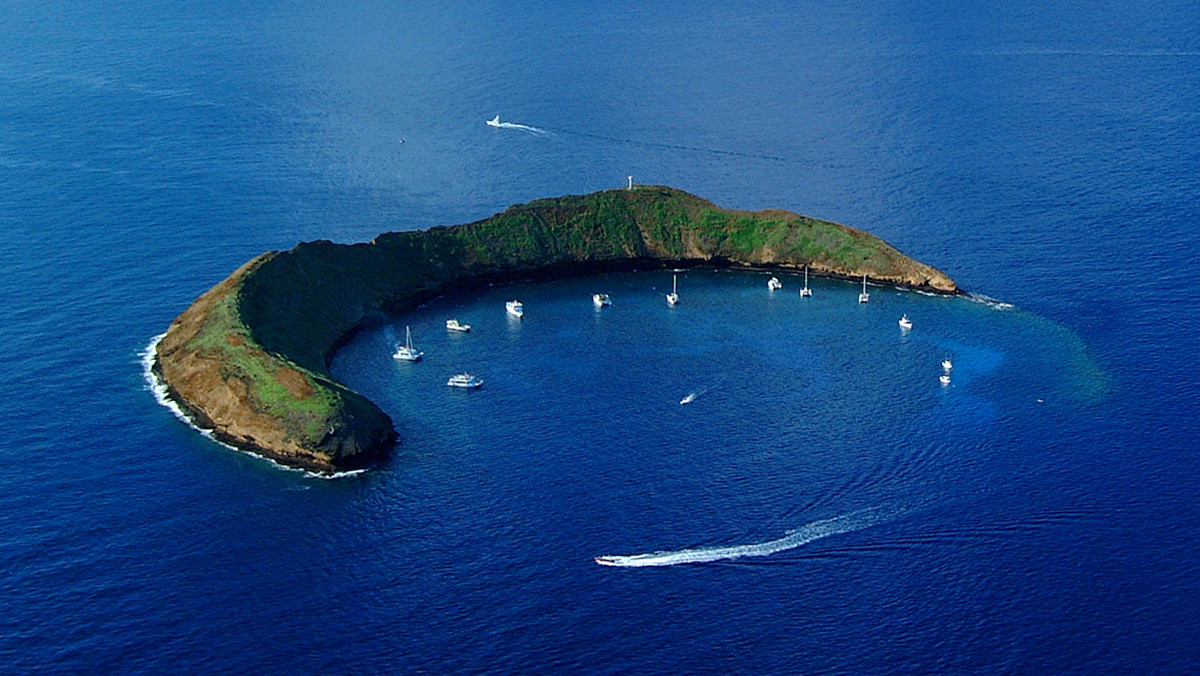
249,359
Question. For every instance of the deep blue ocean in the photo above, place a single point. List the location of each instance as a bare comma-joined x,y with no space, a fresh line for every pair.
822,505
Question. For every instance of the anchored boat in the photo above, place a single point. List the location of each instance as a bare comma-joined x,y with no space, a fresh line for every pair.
407,352
465,380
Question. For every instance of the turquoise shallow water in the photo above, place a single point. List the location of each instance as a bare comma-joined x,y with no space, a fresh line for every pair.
1042,155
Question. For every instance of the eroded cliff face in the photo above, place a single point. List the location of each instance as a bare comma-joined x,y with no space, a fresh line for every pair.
249,358
258,401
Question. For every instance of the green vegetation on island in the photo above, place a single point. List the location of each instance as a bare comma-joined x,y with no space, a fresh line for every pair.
249,358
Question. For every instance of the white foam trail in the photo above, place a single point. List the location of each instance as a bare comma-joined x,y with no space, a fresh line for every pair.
522,127
159,389
796,538
991,302
512,125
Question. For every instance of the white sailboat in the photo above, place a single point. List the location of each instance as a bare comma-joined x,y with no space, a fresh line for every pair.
407,352
673,297
864,296
805,292
947,365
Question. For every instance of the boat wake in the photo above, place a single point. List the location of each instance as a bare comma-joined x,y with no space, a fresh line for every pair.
797,538
989,301
669,146
495,122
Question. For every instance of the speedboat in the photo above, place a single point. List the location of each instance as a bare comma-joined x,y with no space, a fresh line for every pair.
465,380
944,379
673,297
774,284
407,352
947,365
905,322
601,299
453,325
514,308
494,122
606,560
864,296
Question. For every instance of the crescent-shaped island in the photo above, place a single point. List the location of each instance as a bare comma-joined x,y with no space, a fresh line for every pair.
249,359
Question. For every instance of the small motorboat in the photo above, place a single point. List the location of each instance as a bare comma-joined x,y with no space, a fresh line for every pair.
515,308
601,299
494,122
465,380
947,365
454,325
944,379
774,284
606,560
905,322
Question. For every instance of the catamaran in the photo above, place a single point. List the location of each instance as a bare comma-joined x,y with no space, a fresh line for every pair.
407,352
905,322
805,291
673,297
864,296
454,325
465,380
601,299
514,308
